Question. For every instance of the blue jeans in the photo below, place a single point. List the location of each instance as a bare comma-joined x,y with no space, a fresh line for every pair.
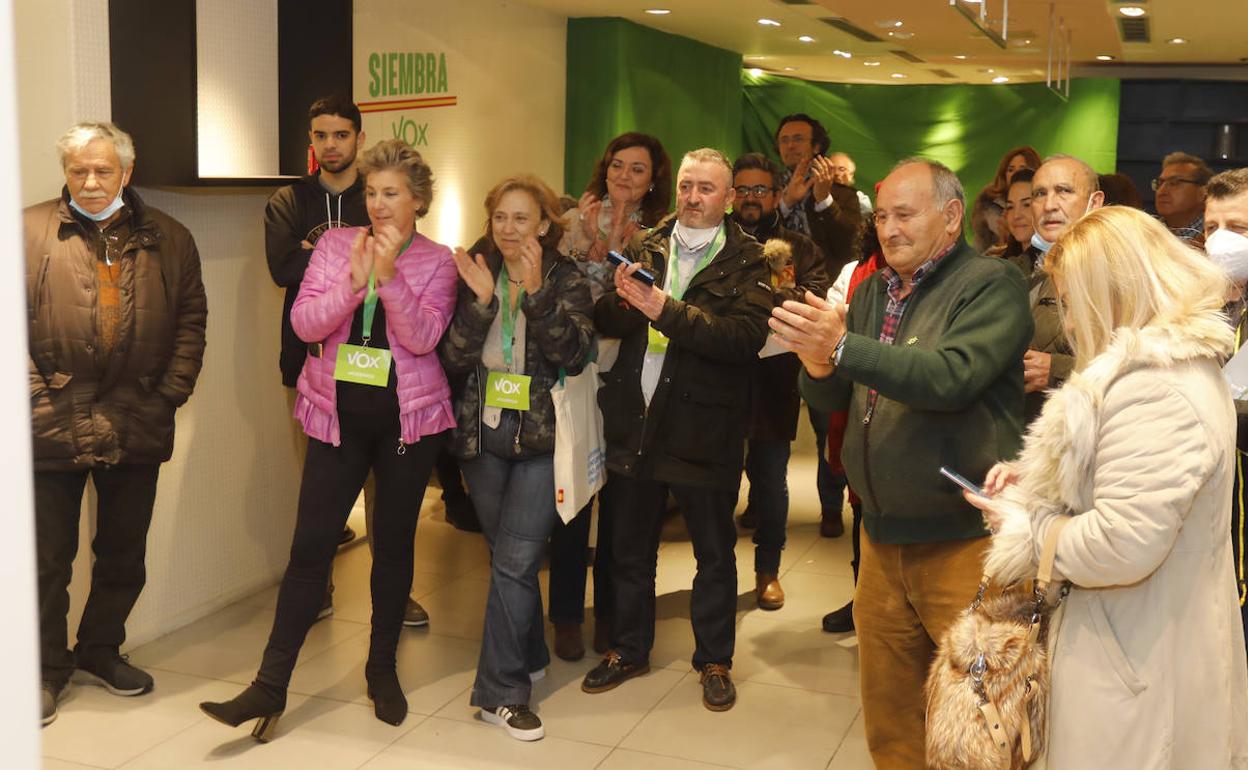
831,486
515,500
767,466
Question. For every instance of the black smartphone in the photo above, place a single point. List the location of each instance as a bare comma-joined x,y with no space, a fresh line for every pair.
643,275
961,481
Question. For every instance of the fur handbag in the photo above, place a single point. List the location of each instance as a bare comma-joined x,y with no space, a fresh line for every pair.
988,688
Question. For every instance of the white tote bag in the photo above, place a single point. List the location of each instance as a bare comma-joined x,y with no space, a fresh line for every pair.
580,451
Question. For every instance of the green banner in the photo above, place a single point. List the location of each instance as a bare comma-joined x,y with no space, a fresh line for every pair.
626,77
966,127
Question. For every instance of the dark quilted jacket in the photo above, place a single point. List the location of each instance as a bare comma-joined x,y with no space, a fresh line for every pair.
92,408
558,334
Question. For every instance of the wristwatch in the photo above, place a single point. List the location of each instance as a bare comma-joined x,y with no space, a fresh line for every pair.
835,358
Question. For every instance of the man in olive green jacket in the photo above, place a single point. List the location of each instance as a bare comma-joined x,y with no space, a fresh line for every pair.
928,362
1063,190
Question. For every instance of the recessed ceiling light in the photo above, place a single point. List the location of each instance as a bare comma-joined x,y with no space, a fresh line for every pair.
1134,11
959,56
887,23
871,63
657,11
897,23
843,54
1104,57
806,39
898,75
790,69
1177,41
769,22
756,72
1000,79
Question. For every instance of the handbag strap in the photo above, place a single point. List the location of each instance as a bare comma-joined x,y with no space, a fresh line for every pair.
1048,554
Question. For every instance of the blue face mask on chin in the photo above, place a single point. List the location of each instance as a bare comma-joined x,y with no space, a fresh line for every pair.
1041,244
108,211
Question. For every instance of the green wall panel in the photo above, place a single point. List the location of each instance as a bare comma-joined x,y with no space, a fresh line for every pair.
626,77
966,127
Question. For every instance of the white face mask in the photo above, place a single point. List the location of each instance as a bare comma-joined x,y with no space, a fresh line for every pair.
1229,250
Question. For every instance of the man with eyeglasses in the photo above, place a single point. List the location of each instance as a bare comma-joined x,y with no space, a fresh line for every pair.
1180,197
813,203
1062,191
796,266
926,360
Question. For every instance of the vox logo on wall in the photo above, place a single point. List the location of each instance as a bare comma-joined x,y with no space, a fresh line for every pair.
403,81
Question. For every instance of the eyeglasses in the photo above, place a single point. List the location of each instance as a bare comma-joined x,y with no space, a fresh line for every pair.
1159,183
757,191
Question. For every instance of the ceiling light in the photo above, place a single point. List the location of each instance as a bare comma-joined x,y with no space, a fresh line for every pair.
806,39
843,54
959,56
871,63
790,69
1104,57
769,22
898,75
1134,11
897,23
1177,41
756,72
657,11
1000,79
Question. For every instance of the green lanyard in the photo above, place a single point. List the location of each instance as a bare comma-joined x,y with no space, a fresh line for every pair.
673,272
509,315
370,299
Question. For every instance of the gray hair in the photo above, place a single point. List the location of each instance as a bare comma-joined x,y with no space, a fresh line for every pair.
1203,172
1090,176
82,134
945,184
708,155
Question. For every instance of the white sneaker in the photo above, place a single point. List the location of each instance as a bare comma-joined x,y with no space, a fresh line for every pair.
537,676
519,722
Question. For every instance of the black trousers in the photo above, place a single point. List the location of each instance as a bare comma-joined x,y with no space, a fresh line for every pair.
126,496
569,559
332,479
637,507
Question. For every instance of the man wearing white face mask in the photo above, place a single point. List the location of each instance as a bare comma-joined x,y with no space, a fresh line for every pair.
1226,242
1063,190
117,319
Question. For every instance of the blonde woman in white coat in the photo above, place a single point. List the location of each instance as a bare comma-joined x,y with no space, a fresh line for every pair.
1138,448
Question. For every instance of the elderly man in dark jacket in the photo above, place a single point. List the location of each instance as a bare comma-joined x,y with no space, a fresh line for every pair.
796,266
675,408
117,316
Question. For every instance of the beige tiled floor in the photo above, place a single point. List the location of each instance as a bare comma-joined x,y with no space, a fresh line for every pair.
797,686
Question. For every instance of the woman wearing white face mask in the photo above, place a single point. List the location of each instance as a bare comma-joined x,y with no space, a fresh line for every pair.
1226,242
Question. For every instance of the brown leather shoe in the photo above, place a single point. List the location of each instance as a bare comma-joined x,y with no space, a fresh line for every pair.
767,589
568,642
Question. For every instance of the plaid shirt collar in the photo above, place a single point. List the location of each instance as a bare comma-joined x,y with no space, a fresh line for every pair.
893,281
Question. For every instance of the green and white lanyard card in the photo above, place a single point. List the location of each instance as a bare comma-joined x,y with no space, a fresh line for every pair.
360,363
656,341
508,390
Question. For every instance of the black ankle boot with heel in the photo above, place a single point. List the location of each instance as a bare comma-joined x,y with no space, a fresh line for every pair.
263,704
389,702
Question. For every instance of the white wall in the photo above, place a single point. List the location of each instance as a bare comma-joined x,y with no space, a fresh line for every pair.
19,651
506,69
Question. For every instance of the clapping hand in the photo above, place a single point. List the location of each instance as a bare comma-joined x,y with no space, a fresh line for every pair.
531,258
476,274
823,174
361,259
811,329
798,184
646,298
386,242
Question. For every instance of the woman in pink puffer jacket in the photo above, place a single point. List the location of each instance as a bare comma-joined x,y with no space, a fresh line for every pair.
372,397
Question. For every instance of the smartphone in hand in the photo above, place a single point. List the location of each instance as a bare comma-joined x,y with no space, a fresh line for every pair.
643,275
961,481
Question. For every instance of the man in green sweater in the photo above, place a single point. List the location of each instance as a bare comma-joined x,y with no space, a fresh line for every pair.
928,361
